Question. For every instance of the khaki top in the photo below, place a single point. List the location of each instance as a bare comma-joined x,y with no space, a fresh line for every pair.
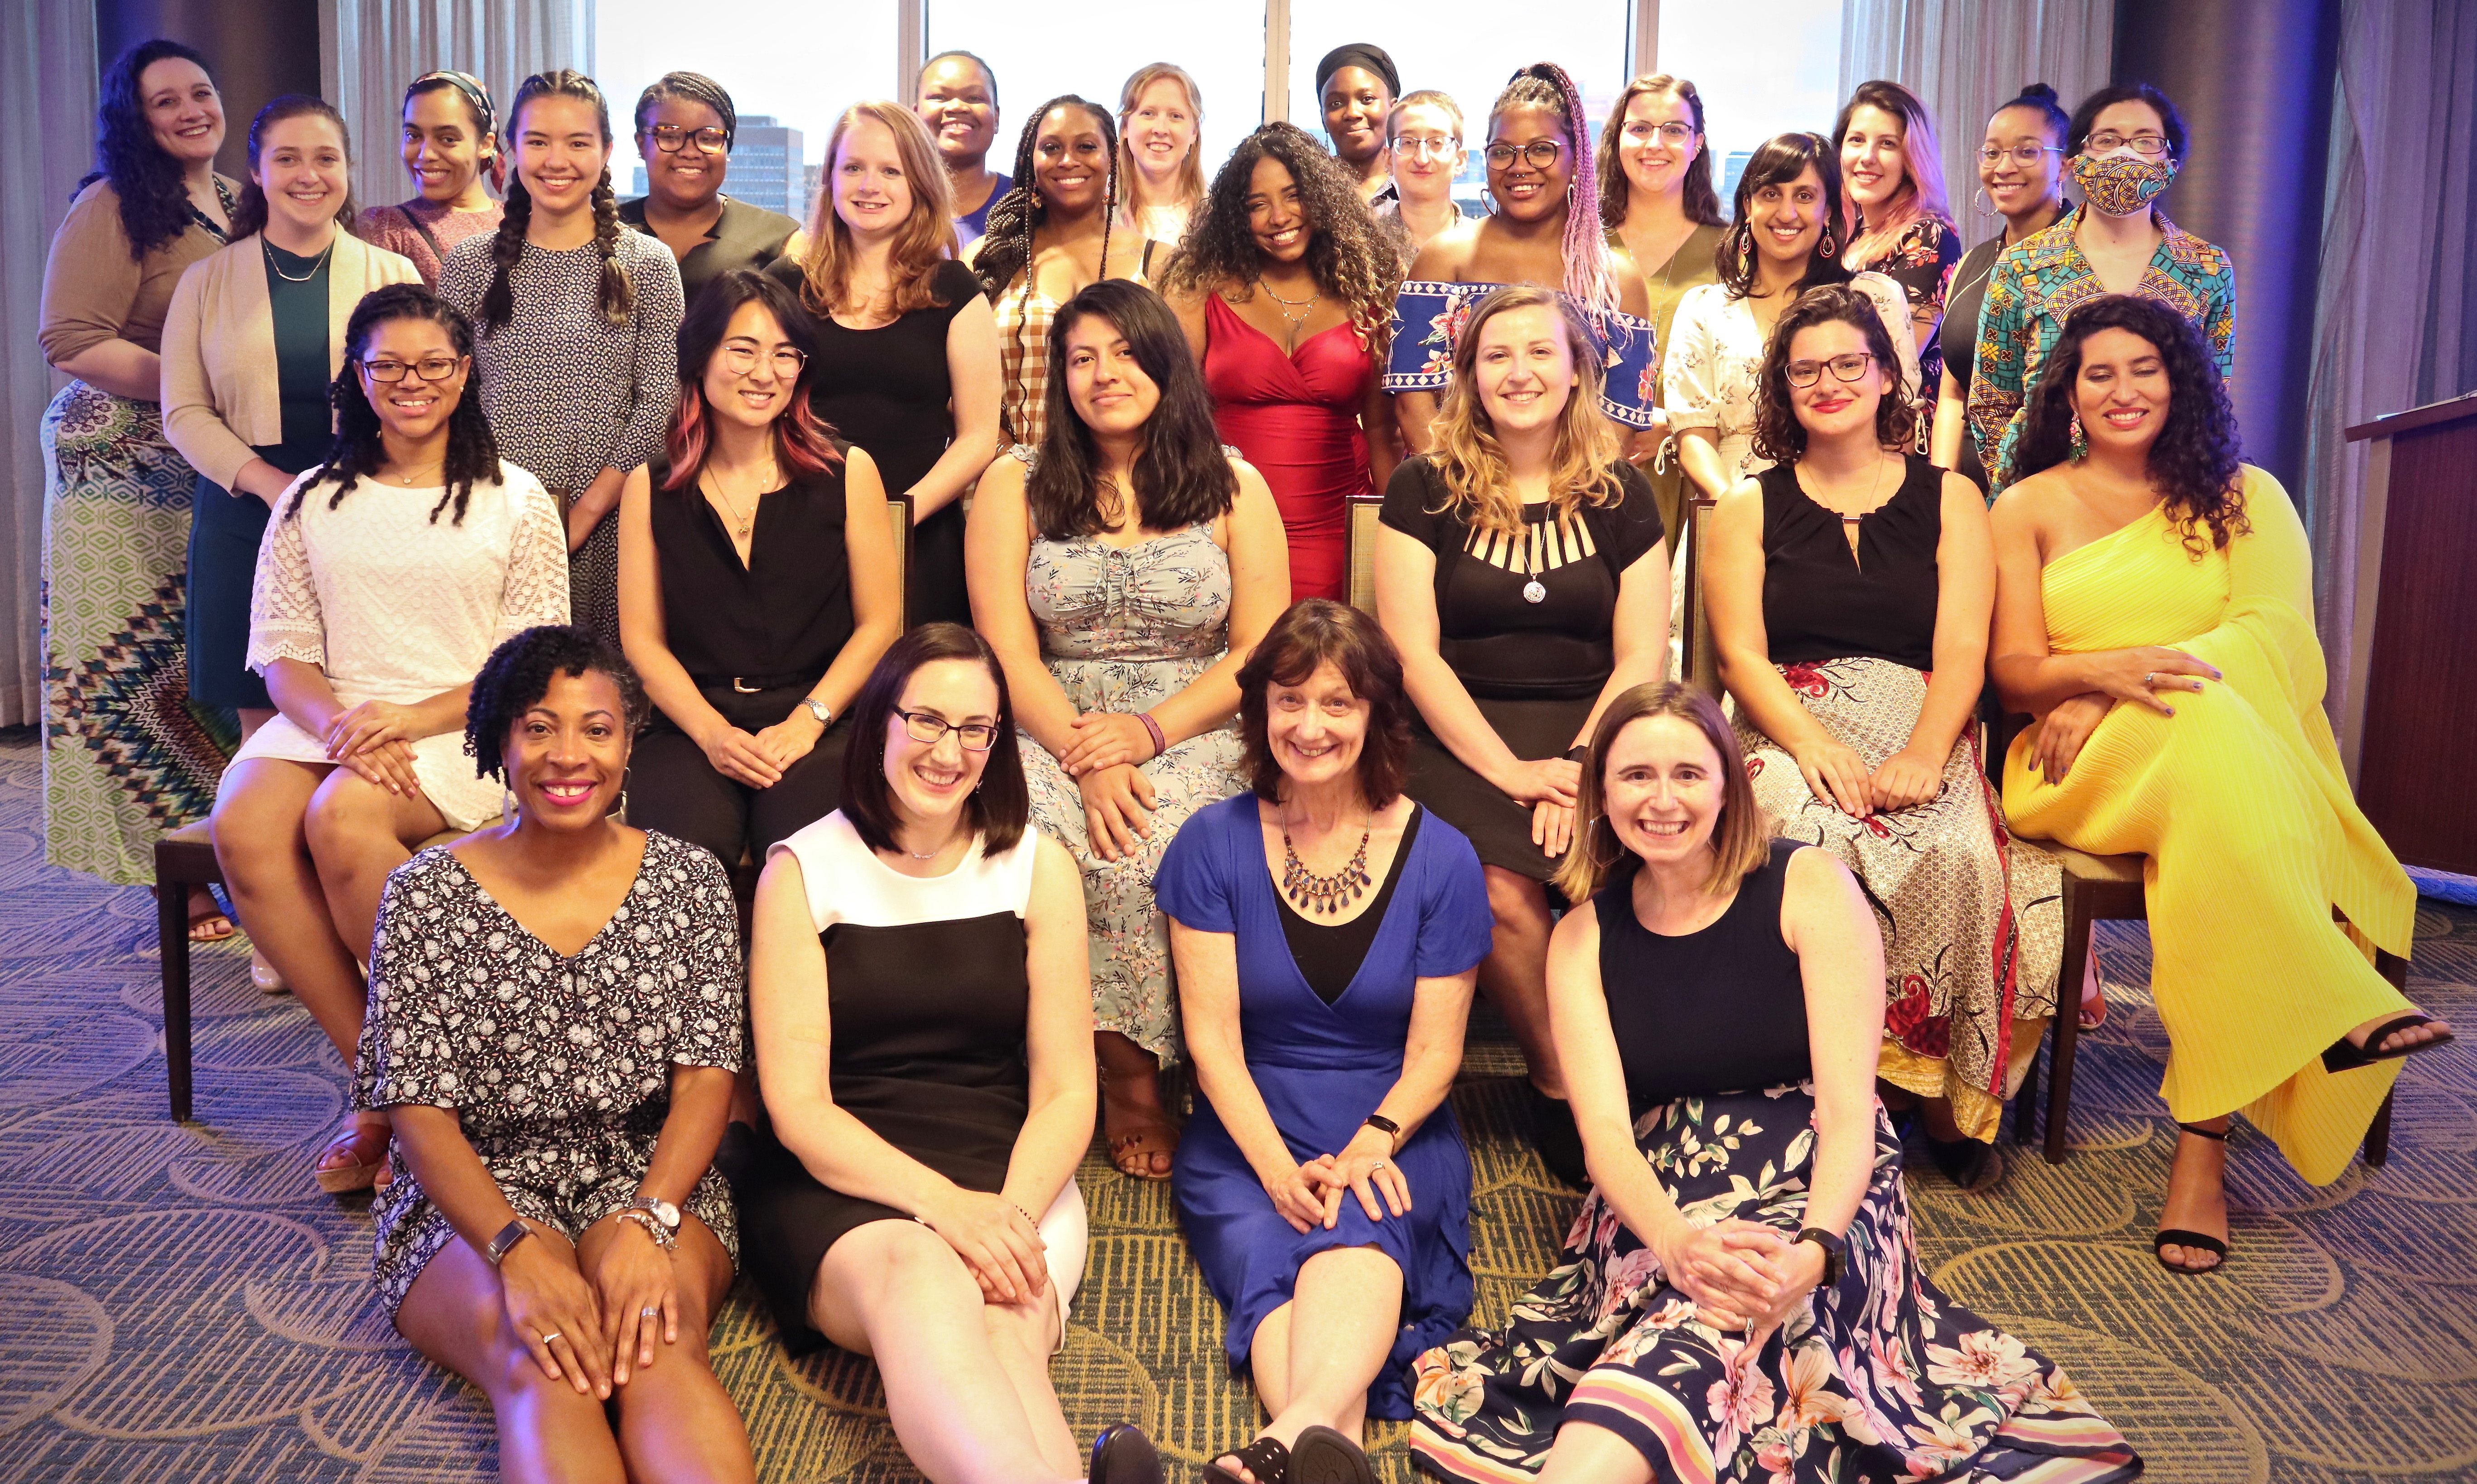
93,290
221,396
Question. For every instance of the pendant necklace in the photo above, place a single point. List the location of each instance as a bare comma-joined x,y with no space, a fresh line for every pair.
1310,892
741,524
1535,591
1305,307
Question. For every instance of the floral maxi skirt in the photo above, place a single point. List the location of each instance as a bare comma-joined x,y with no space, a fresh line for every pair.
1879,1377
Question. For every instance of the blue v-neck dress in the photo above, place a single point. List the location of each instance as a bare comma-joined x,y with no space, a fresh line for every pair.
1321,1069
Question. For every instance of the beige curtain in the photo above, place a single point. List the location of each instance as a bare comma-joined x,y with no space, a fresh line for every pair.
2396,317
369,49
47,93
1967,57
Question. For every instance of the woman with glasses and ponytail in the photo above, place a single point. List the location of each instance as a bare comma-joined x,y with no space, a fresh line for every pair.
2121,149
685,127
453,152
577,323
1544,230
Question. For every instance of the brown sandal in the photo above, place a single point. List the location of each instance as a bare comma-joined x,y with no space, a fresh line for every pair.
360,1169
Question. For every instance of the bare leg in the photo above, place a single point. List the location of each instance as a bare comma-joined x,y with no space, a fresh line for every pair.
358,832
1587,1453
1343,1312
675,1420
1516,971
1138,1131
896,1290
1021,1335
262,841
2197,1197
549,1433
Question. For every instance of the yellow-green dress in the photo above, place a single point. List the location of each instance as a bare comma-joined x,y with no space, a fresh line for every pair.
2240,802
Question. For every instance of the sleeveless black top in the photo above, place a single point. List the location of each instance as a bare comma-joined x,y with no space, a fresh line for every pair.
778,621
1820,602
742,236
1722,1010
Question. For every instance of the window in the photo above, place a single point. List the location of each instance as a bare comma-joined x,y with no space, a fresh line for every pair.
1792,81
1469,50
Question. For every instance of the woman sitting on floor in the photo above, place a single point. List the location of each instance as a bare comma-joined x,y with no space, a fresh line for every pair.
1717,1007
386,575
924,1040
556,1236
2154,611
1323,1182
1849,585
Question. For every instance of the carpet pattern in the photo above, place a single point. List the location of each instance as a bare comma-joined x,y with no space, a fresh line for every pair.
177,1302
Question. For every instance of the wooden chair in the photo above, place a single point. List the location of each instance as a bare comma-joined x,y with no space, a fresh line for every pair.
898,514
1359,550
1700,660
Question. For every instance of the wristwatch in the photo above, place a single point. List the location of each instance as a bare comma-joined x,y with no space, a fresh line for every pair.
1836,1252
659,1209
509,1236
825,715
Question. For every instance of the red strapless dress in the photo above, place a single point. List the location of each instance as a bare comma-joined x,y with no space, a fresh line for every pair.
1297,418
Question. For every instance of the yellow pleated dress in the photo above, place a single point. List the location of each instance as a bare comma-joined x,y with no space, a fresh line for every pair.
2241,806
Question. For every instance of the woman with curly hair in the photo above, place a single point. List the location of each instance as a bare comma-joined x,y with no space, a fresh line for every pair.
1546,230
1284,286
388,576
576,321
555,1234
1049,237
2154,614
126,754
1849,586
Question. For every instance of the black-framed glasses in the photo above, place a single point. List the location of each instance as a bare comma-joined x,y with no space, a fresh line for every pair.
2151,146
1674,134
670,138
1848,368
788,360
927,726
2026,155
385,371
1538,154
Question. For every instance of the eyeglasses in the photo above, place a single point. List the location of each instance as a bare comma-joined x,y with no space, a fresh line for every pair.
1416,148
788,360
1538,154
429,368
1674,134
927,726
1848,368
2023,155
669,138
2148,145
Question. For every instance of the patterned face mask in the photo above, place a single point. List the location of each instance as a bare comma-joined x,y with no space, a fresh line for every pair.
2121,185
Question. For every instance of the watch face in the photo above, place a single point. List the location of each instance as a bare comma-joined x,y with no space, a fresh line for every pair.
664,1212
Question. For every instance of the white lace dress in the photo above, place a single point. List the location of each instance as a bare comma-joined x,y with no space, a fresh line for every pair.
394,606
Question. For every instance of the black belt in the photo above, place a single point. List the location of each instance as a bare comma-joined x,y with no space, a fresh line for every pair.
750,684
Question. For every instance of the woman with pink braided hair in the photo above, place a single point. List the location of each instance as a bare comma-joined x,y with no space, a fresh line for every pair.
1545,229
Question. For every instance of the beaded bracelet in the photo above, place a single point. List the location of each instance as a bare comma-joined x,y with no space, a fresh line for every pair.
1160,744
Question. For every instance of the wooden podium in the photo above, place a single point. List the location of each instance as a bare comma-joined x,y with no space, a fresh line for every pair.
2408,718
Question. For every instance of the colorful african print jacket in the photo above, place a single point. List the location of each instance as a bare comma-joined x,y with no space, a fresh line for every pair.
2038,284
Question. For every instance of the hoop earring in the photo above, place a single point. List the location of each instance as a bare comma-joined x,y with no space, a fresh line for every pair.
1827,246
2080,441
1745,251
1988,210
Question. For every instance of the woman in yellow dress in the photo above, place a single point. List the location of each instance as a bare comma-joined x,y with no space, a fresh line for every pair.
2154,613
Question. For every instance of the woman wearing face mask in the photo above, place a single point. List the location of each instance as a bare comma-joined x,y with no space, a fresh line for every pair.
578,321
1283,289
452,150
1891,170
1124,571
1546,230
1741,1297
1356,85
2122,148
907,361
686,126
127,756
1049,237
1160,113
2021,172
1520,571
1423,143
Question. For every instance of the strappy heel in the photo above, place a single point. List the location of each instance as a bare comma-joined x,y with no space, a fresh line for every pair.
2177,1236
2345,1055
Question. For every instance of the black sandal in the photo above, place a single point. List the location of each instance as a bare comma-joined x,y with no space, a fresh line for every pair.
1265,1458
1323,1456
1973,1166
2345,1055
2177,1236
1123,1455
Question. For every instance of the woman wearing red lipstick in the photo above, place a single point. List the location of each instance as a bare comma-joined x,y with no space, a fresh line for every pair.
386,576
1899,222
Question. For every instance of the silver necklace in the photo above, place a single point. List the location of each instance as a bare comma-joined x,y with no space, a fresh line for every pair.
1533,559
268,248
1305,307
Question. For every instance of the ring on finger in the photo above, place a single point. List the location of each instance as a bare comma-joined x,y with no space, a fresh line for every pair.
548,1338
650,1311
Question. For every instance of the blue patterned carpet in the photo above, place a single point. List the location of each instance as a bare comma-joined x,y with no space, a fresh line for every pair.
177,1302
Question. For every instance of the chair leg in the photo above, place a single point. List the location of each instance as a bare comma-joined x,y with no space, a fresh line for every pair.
2378,1136
2025,1104
173,936
2079,924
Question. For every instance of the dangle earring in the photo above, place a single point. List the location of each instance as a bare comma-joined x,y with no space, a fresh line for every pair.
1745,252
620,812
1827,246
2080,441
507,804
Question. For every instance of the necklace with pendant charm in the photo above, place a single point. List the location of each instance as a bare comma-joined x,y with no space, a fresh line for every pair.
1535,591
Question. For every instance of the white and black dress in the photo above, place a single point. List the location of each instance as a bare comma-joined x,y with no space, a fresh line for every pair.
559,1067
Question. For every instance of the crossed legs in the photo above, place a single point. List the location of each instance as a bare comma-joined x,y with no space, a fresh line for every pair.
1315,1357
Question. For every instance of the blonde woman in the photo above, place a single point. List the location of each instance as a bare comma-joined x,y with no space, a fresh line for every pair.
1899,224
906,347
1522,574
1160,112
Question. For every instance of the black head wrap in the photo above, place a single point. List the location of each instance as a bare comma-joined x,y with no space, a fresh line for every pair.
1358,54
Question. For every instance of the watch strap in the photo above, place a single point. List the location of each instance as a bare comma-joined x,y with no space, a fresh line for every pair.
1836,1252
509,1236
818,709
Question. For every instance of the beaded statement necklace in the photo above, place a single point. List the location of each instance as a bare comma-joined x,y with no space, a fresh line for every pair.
1310,892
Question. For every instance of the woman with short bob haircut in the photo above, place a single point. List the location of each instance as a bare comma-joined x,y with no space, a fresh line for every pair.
1747,1236
1328,931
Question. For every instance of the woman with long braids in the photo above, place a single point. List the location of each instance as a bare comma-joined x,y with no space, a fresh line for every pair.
1285,286
125,753
1048,237
388,574
576,322
453,151
686,126
1547,231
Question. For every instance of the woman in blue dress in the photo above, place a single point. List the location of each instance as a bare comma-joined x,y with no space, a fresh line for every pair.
1323,1182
